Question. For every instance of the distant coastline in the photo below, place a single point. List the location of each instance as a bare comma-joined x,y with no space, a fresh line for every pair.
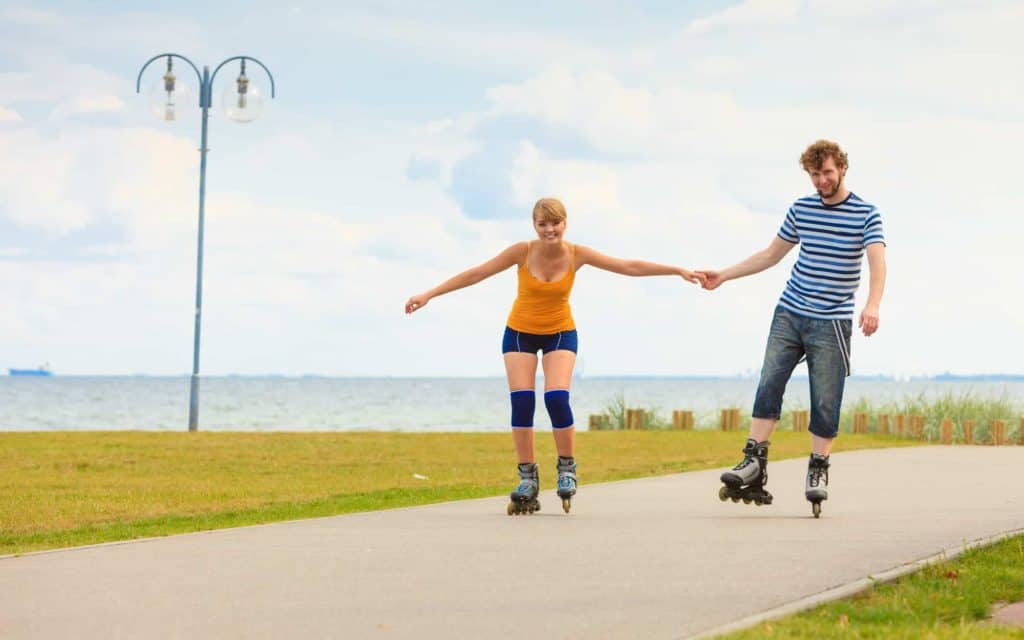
942,377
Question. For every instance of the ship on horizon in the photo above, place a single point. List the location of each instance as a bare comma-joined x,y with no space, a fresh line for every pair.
41,371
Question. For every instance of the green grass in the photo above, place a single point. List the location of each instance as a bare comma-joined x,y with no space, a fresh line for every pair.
65,489
947,600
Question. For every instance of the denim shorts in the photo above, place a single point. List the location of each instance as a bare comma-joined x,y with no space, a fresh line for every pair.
826,346
532,343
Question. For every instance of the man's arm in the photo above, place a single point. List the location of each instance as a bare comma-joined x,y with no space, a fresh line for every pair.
758,262
876,263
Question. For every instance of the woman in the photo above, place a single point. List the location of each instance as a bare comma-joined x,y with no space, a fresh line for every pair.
541,320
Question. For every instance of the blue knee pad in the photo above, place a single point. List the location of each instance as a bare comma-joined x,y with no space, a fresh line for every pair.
523,404
557,402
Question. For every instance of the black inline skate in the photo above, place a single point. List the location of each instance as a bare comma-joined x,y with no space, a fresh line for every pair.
524,498
566,481
747,480
816,487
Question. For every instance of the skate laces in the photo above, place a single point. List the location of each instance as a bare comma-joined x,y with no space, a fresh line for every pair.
743,465
815,472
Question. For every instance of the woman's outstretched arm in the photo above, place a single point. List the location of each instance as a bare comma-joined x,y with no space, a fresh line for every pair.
507,258
586,255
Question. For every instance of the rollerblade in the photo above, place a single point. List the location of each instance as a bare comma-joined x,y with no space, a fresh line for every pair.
816,487
524,498
566,481
747,480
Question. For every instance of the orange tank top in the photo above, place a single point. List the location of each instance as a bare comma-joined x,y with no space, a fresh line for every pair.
543,307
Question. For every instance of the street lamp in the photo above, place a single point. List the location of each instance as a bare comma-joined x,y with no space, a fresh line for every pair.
243,102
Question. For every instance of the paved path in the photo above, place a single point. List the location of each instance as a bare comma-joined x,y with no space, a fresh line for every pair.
651,558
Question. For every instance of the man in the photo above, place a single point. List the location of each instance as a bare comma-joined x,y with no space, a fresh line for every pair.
814,317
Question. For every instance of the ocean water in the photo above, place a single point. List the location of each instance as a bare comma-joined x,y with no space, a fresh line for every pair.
393,404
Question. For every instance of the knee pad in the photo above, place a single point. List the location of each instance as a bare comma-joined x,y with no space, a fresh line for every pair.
523,404
557,402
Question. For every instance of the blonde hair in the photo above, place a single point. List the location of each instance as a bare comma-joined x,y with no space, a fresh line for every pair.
816,154
550,209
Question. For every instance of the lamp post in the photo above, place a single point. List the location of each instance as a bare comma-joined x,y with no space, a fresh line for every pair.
243,103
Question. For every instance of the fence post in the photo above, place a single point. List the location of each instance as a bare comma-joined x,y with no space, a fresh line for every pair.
917,426
947,431
998,432
968,426
883,423
682,419
860,423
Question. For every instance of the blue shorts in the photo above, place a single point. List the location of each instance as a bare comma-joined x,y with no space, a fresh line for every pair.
517,341
826,346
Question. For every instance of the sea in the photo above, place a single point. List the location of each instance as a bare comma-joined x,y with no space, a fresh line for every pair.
314,403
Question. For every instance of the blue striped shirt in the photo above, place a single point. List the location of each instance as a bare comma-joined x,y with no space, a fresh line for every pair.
832,240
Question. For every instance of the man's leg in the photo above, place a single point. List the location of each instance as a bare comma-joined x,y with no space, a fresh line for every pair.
782,353
828,363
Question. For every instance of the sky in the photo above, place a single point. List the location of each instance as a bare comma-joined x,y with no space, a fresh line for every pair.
409,141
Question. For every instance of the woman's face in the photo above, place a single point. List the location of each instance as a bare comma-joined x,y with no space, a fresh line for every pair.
549,230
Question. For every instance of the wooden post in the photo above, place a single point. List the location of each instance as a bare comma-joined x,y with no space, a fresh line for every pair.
800,420
883,423
634,419
1020,432
998,430
599,422
682,419
917,425
860,423
947,431
968,426
899,424
729,420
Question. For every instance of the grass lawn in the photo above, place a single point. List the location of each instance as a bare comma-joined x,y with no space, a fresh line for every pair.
69,488
947,600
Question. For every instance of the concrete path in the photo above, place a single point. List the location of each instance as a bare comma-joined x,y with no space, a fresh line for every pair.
652,558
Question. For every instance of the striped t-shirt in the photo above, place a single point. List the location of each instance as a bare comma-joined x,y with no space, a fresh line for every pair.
832,240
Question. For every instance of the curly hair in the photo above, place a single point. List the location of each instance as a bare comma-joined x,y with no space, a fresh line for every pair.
550,209
816,154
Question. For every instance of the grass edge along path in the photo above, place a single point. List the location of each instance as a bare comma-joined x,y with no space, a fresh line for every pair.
950,594
65,489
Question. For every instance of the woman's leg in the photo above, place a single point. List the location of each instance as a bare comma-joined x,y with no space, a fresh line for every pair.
558,367
521,369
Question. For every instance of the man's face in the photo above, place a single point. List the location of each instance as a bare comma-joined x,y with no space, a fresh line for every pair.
827,178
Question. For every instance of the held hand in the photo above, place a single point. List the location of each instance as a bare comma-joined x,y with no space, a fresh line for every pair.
712,279
416,302
692,276
869,320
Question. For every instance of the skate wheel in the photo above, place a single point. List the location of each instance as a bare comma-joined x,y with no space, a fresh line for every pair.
511,508
759,502
746,500
735,499
566,504
816,509
723,494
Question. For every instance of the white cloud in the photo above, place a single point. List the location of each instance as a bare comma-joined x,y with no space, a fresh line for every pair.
87,104
747,12
9,115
